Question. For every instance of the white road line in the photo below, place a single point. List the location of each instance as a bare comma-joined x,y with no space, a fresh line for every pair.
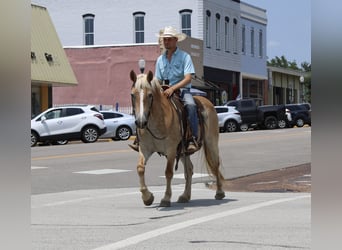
265,182
103,171
98,197
178,226
34,167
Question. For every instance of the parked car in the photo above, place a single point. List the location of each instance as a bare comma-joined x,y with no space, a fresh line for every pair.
120,126
300,114
83,122
229,118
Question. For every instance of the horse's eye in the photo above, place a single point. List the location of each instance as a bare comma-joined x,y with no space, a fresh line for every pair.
149,96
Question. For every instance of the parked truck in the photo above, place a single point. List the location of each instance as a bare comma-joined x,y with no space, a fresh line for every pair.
254,116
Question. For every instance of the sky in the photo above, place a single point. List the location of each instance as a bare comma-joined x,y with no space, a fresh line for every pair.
288,28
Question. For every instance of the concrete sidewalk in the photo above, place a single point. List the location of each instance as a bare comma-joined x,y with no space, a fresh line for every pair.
117,219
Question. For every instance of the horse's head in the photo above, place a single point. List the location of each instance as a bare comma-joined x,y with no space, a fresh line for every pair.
142,97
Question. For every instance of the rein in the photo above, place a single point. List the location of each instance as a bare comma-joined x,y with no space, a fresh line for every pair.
154,136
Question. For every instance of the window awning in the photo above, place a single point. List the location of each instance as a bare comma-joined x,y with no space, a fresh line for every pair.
200,84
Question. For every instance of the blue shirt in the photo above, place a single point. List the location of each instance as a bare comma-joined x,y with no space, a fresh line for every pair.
174,70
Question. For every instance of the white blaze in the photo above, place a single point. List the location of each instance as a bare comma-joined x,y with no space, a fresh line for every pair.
141,103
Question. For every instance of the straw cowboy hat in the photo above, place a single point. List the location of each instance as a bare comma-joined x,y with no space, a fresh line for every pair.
171,32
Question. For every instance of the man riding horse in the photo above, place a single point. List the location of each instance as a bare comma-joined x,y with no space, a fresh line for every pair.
174,68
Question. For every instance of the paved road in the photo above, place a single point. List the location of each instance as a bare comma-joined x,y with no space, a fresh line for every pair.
72,210
113,164
117,219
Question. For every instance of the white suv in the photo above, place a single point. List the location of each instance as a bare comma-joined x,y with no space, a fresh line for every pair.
229,118
68,123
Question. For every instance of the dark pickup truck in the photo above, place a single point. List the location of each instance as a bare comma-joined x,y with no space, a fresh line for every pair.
252,115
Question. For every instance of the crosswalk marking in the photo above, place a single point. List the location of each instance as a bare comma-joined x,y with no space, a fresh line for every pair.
195,175
103,171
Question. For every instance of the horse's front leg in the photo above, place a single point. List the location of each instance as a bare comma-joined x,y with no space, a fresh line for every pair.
188,172
166,201
147,196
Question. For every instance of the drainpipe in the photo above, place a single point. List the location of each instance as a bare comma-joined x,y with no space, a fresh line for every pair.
240,86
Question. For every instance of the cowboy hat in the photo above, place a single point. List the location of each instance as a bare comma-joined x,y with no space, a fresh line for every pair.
171,32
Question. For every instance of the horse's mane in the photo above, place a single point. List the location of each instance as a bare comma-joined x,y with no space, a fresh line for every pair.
142,83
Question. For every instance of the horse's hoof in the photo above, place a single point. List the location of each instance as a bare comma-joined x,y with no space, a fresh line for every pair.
165,203
182,199
219,195
149,201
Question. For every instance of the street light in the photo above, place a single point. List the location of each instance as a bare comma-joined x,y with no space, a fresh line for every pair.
301,80
141,64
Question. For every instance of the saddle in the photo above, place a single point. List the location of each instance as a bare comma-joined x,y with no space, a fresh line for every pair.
185,124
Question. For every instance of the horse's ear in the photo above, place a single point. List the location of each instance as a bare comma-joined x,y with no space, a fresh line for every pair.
133,76
149,76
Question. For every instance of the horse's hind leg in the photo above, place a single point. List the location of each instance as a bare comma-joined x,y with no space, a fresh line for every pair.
146,195
212,156
188,172
214,164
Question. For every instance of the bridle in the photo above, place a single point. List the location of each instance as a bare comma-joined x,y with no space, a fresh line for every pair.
147,118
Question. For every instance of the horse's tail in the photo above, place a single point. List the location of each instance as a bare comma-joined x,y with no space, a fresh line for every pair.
210,140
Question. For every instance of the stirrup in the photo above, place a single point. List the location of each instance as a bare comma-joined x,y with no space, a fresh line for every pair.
192,146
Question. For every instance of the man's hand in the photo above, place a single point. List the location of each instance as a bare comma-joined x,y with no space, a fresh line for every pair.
168,92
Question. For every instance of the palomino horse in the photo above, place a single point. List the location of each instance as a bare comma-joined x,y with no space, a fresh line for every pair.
159,130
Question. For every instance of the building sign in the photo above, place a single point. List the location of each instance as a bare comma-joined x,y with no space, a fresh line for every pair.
224,97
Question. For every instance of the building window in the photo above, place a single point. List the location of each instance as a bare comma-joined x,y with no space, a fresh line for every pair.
243,37
252,41
235,36
207,29
260,44
88,29
185,16
218,32
226,34
139,27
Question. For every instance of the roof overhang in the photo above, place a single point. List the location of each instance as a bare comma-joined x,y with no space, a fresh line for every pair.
49,62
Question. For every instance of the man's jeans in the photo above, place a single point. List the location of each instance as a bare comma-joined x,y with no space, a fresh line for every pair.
190,106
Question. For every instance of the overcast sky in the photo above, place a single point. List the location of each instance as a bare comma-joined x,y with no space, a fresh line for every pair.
288,28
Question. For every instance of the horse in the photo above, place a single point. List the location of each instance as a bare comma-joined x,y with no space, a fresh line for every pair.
159,131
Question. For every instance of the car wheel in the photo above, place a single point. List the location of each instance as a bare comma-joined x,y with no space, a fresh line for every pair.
230,126
282,124
299,122
123,133
244,127
271,122
34,139
90,134
60,142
